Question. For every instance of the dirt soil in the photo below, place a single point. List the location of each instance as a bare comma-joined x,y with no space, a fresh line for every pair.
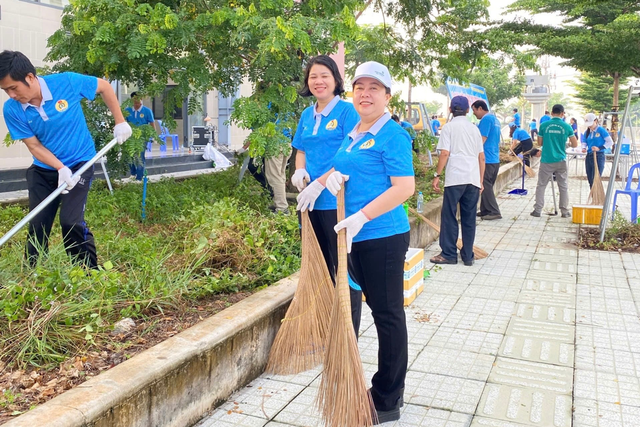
23,390
624,241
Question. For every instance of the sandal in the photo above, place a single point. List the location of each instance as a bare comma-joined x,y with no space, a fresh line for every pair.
439,259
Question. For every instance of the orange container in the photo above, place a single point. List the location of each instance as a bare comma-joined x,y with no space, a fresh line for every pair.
587,214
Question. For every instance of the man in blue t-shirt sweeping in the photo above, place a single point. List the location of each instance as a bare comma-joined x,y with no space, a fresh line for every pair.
46,114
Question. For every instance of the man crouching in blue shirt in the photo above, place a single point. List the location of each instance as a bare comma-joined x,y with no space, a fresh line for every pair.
46,114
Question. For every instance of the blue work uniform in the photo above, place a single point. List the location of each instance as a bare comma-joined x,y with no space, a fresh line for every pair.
595,138
60,126
489,127
516,119
435,125
139,118
377,257
59,122
533,126
409,128
521,135
544,118
371,159
319,135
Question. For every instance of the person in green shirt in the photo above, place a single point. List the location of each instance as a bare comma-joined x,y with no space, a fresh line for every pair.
552,136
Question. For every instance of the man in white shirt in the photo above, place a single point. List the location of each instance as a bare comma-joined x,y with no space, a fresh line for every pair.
461,151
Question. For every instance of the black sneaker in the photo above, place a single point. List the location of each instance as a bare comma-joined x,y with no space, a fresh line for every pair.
468,262
536,214
491,217
387,416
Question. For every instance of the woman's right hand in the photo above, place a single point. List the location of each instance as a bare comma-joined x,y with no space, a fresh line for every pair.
307,197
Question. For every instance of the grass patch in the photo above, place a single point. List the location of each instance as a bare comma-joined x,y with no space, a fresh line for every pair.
621,235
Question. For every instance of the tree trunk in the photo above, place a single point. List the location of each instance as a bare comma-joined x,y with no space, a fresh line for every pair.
616,106
409,103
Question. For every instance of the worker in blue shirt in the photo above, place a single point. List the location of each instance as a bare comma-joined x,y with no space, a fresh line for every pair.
374,164
46,114
515,121
597,139
409,128
489,127
533,129
320,132
522,143
139,115
435,125
545,117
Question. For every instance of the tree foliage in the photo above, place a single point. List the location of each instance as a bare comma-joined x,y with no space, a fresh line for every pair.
599,37
594,93
501,80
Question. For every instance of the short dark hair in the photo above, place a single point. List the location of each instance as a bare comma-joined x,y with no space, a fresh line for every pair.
328,62
134,94
480,104
557,109
515,110
546,112
15,65
395,118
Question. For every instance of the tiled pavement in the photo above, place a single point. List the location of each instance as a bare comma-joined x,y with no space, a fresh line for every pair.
537,334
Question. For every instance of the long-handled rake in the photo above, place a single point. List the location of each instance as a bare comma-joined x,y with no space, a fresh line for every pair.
299,344
56,193
478,253
343,398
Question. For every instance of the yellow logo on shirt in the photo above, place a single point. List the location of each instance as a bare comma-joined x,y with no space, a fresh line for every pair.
370,143
597,135
141,115
62,105
332,125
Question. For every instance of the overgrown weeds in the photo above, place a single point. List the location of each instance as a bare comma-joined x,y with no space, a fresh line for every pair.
620,235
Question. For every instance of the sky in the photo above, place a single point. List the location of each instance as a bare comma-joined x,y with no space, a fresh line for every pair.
563,75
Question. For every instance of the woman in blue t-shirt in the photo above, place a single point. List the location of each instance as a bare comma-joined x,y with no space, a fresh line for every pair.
320,132
374,164
597,139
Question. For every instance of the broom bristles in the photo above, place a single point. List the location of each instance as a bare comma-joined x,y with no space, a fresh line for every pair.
596,195
299,344
343,398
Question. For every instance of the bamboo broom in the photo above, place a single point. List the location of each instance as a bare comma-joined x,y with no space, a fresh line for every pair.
596,195
477,252
530,172
299,344
343,398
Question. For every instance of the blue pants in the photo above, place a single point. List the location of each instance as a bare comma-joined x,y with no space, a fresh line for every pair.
588,165
138,169
467,196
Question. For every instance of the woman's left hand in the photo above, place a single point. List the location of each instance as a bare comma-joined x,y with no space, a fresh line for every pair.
353,224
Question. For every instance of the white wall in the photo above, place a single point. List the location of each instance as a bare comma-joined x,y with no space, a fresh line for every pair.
24,26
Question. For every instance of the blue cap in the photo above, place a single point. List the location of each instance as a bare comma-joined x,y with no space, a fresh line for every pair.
459,103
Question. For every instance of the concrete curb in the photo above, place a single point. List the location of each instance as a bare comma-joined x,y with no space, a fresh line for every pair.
177,381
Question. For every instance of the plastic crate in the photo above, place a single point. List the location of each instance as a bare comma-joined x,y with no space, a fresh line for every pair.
587,214
413,275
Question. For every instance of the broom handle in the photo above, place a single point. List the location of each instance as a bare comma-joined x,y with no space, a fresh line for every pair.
595,165
342,282
35,211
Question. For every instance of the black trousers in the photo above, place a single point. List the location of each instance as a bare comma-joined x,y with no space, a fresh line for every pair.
488,202
78,240
467,196
377,265
323,222
524,147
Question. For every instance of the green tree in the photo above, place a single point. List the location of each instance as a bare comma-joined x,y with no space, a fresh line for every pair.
502,81
595,93
599,37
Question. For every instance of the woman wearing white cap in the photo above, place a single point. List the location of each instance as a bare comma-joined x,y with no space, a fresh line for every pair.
597,139
374,164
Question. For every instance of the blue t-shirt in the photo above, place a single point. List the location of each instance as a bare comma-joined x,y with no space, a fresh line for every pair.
371,159
596,138
60,125
533,126
139,118
544,118
320,139
489,128
409,128
521,135
516,119
435,125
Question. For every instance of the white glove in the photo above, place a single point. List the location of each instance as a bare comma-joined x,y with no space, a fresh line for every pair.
122,132
307,197
353,224
299,177
65,175
335,181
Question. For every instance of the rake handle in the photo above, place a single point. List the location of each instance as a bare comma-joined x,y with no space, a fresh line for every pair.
35,211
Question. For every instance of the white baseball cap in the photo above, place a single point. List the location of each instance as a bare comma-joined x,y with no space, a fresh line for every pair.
589,119
375,70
